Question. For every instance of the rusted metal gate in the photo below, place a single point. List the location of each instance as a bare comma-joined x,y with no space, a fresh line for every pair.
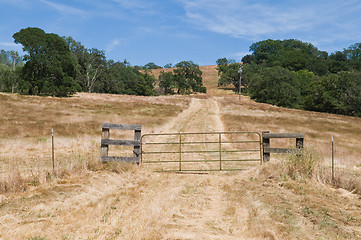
208,151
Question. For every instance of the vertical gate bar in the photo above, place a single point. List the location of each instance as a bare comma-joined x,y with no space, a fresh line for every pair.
141,150
220,151
180,152
260,148
266,144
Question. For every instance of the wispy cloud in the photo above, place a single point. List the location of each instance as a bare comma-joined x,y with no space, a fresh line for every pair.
260,19
65,9
133,4
9,44
113,44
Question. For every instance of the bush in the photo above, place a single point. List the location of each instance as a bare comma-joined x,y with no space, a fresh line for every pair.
300,166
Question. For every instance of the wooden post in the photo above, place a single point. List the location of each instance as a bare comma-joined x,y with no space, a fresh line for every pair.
299,143
299,146
136,151
266,144
105,135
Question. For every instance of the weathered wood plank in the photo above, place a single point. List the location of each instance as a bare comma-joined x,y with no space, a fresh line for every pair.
283,135
137,137
105,148
106,142
121,126
266,144
279,150
118,159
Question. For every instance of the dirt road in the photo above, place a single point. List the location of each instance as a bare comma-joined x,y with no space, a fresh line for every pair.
131,202
136,204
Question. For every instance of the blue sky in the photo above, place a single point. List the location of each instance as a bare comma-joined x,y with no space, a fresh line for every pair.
171,31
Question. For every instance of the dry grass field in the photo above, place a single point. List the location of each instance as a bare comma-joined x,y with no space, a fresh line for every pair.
291,197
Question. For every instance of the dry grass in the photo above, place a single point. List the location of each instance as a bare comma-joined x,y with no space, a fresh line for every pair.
317,127
287,198
32,116
284,201
26,123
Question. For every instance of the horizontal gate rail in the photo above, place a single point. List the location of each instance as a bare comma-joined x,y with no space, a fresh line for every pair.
177,146
217,160
204,151
158,143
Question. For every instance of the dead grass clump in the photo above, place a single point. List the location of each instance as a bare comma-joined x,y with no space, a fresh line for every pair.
15,182
349,181
300,166
347,178
118,167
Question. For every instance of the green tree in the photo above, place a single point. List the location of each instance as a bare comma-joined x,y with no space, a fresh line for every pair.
188,78
168,65
166,82
350,99
50,67
354,55
338,62
324,94
10,67
291,54
91,64
228,72
275,85
121,78
151,65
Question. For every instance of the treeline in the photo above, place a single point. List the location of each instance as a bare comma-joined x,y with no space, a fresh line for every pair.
295,74
61,66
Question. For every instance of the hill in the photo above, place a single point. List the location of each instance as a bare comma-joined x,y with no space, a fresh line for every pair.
83,199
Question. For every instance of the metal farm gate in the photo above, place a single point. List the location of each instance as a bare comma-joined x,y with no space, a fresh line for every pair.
209,151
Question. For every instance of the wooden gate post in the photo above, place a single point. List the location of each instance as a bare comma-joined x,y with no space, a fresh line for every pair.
137,137
105,148
266,144
299,143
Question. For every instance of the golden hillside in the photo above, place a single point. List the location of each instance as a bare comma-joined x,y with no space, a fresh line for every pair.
287,198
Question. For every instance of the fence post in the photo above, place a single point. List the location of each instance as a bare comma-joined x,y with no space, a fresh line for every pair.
137,137
266,144
299,143
105,135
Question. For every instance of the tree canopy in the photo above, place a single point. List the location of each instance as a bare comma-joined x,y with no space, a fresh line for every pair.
228,72
185,78
61,66
291,73
50,68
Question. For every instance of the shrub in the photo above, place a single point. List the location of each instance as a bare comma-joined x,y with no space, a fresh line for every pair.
300,166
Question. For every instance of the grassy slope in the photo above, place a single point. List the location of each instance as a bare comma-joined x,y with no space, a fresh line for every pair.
91,201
